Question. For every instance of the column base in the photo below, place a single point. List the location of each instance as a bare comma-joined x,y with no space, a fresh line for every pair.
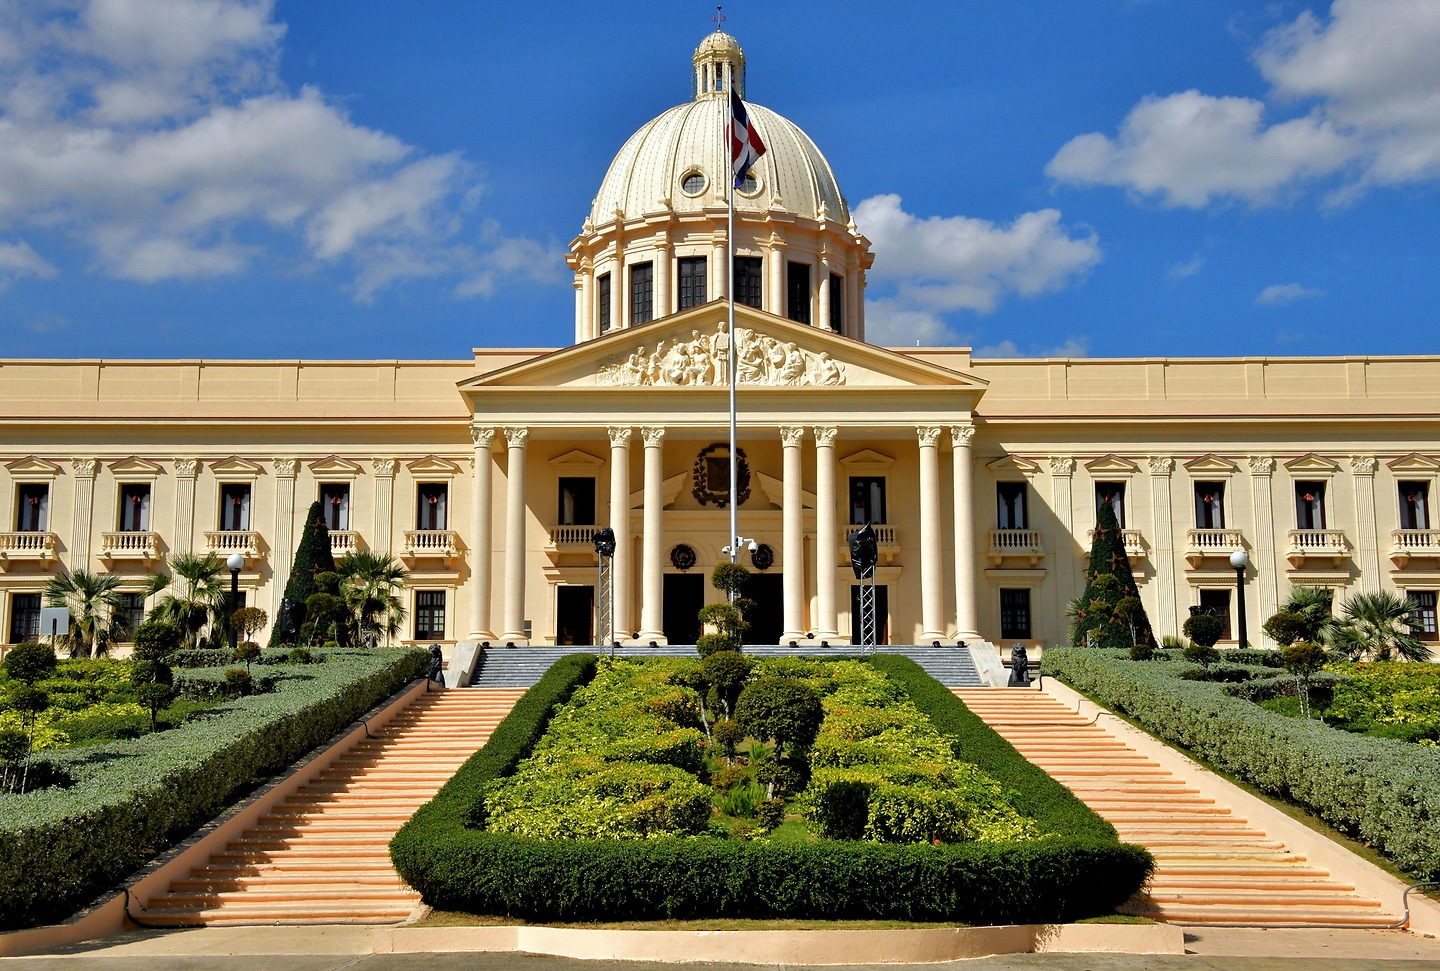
481,635
644,638
969,635
927,638
519,639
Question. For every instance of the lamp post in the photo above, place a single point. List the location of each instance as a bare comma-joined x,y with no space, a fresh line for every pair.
1240,560
235,562
605,589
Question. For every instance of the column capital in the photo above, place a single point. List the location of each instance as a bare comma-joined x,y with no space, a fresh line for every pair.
482,436
517,436
1062,465
653,435
84,468
385,468
187,468
1161,465
1262,465
286,468
1363,464
928,435
619,435
962,435
791,435
825,435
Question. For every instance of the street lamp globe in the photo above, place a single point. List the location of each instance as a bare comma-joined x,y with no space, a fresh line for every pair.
1239,559
235,562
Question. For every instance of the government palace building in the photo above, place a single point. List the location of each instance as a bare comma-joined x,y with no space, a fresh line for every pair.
488,476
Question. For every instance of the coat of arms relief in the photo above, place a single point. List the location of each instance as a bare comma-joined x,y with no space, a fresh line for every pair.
703,361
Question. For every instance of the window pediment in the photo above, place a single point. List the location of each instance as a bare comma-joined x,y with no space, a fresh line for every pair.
235,467
1014,465
334,467
1211,464
867,461
135,467
33,468
432,466
1111,464
576,462
1312,464
1414,462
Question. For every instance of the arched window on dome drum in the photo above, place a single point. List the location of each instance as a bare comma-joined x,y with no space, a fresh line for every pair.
837,303
797,292
692,281
602,302
642,293
749,270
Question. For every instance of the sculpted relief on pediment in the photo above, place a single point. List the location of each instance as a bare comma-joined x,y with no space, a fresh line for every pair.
703,361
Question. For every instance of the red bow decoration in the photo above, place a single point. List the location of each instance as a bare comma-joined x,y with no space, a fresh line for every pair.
1308,497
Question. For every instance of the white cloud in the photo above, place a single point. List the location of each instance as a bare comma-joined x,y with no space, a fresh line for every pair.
1367,83
20,260
1282,293
1070,347
158,133
1186,269
941,265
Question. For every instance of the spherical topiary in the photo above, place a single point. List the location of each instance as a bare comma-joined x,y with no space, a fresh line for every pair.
728,735
1285,627
707,644
1142,652
29,663
1201,654
770,814
783,709
155,640
247,653
726,672
239,682
301,655
1203,629
1303,658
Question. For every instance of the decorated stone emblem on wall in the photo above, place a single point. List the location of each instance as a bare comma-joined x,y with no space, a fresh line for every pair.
763,558
703,361
711,476
682,557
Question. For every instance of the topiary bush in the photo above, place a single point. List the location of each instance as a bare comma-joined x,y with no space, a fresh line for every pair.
29,663
1201,654
157,640
782,709
1203,629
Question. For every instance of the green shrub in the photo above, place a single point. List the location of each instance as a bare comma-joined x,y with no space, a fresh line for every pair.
770,814
1225,673
247,653
726,672
156,640
841,809
301,655
1201,654
1258,657
1203,629
1285,627
29,663
131,799
740,800
782,709
728,777
1142,652
727,735
239,682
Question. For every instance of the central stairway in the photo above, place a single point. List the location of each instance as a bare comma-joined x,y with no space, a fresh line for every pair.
322,855
1213,866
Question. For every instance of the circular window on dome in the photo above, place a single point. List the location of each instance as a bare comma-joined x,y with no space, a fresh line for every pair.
692,183
750,187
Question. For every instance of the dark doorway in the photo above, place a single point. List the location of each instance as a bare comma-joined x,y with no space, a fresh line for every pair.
767,617
882,614
684,596
574,615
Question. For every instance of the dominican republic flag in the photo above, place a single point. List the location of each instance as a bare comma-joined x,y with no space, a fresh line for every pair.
745,144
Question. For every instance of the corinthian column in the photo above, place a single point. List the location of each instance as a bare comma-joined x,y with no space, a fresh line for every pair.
652,590
967,624
793,536
514,620
826,534
620,574
931,567
481,539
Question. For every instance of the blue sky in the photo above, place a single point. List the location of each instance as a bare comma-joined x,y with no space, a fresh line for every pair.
225,178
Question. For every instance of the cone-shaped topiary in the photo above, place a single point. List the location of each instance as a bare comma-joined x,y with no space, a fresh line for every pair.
1109,610
312,556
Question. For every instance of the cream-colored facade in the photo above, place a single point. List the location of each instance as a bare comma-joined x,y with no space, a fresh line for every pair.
489,476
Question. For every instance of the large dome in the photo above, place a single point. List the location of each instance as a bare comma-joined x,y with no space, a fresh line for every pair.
655,170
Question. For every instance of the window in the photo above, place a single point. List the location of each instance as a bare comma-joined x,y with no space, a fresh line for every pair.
837,302
642,293
235,506
692,281
748,271
429,615
335,504
693,184
134,508
1415,506
797,292
33,514
1113,494
430,501
1209,505
1424,601
1015,614
24,617
867,499
131,611
602,301
1010,505
1217,602
577,501
1309,505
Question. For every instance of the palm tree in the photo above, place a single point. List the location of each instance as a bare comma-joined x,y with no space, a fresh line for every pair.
371,585
1379,627
193,595
94,603
1314,606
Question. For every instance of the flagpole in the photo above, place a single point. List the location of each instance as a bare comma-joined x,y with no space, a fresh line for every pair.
734,347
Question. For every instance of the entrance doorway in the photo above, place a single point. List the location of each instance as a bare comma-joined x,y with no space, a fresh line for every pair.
574,615
767,617
684,596
882,614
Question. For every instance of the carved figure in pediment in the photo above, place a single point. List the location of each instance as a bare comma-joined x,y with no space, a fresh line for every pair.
793,369
827,371
750,364
703,361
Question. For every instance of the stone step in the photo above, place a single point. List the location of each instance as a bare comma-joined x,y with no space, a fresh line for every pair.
1249,915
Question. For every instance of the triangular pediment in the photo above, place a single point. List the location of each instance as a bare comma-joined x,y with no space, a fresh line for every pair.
867,461
334,465
576,459
236,466
34,467
1312,463
1111,464
686,352
1014,465
432,465
1414,462
1211,464
136,466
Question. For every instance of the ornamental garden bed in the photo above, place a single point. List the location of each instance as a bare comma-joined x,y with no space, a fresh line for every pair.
625,789
1383,791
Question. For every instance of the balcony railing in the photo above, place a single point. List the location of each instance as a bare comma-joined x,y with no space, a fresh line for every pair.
1133,539
1015,543
431,544
344,541
884,532
225,542
1306,544
38,547
561,536
1407,543
1201,544
130,545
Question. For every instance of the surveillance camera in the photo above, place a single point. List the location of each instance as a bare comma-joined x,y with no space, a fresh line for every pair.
752,546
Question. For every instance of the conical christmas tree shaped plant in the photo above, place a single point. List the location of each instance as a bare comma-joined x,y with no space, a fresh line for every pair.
312,556
1109,613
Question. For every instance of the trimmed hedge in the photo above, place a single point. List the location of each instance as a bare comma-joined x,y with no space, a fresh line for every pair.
131,799
1079,870
1384,792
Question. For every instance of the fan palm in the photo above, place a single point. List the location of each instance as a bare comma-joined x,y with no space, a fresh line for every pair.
371,586
1379,627
1314,606
94,603
192,595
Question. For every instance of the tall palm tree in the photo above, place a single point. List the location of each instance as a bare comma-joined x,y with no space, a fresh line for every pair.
371,586
1379,627
94,603
192,595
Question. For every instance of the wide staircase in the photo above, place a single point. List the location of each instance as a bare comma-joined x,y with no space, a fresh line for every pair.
1213,866
521,667
322,856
